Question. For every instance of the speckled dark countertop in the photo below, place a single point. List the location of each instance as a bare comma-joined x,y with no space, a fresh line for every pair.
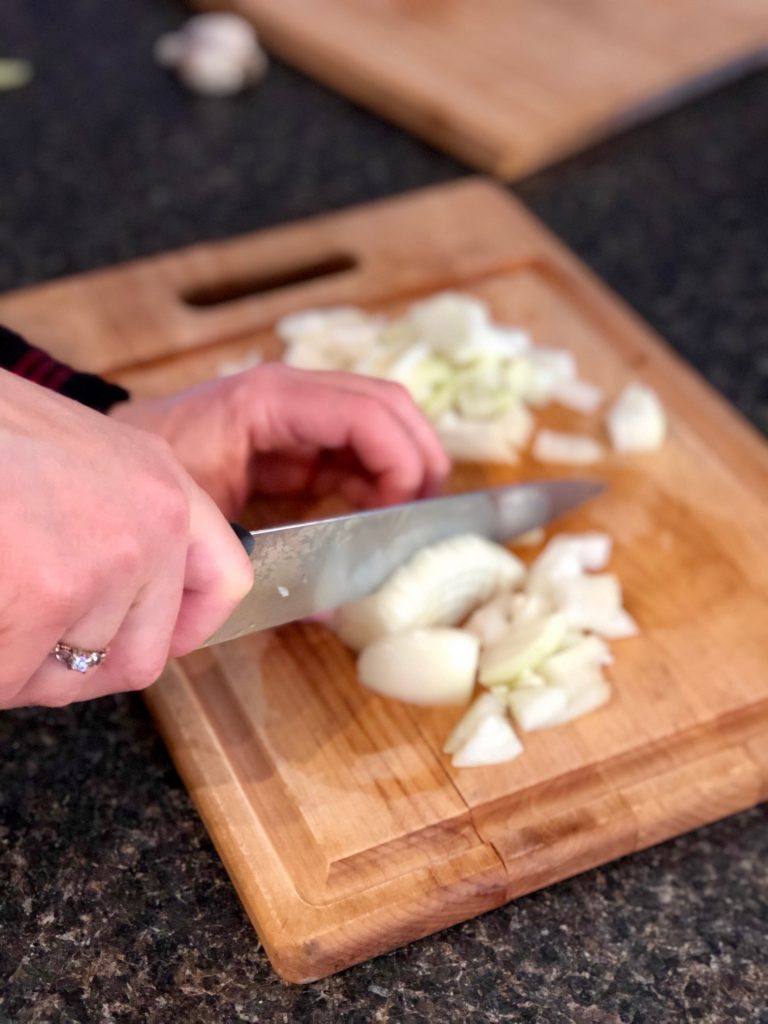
113,905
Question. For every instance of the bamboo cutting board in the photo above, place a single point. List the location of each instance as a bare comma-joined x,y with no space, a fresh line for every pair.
512,85
342,825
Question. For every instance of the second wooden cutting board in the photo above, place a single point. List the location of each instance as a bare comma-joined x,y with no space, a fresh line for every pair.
512,85
344,828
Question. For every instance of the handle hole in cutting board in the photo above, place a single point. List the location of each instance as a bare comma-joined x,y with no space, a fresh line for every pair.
242,287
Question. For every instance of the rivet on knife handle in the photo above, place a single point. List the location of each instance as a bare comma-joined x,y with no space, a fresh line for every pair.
244,536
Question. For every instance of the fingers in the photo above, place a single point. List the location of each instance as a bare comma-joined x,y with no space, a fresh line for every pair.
436,463
25,649
395,445
52,684
186,592
218,574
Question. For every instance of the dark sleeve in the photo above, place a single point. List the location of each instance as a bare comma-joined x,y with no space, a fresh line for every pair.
35,365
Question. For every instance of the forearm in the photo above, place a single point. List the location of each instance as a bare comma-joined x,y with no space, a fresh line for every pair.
17,356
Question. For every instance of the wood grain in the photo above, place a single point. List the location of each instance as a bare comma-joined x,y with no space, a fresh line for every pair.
511,85
342,825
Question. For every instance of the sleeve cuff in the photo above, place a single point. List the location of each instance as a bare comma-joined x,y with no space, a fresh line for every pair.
35,365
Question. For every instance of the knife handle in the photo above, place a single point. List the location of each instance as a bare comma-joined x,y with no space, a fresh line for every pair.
244,536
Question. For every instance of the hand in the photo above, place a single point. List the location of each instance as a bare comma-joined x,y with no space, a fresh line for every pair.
276,430
105,542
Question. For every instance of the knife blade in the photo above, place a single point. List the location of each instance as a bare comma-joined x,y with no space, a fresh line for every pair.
305,568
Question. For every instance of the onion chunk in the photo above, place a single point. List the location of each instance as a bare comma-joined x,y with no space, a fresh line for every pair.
524,647
423,666
636,422
487,739
566,449
439,586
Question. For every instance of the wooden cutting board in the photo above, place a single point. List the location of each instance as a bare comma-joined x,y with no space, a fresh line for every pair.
512,85
343,826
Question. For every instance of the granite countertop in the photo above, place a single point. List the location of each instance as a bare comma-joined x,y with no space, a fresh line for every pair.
114,906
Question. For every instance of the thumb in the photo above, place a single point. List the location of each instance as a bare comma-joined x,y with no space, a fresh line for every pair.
218,574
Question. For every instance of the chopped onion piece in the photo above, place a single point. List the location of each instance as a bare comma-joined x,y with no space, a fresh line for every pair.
526,679
578,395
429,379
636,422
553,564
587,699
619,626
452,324
486,441
529,606
531,538
489,703
588,654
507,341
439,586
536,708
524,647
230,367
423,666
588,602
566,449
559,361
492,741
590,550
485,390
328,339
491,620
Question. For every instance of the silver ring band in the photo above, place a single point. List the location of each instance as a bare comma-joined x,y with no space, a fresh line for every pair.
77,659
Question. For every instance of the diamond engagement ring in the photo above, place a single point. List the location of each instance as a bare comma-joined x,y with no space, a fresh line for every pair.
77,659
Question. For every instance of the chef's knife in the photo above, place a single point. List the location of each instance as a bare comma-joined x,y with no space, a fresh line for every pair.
306,568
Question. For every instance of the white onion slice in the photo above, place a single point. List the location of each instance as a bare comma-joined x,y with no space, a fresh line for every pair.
423,666
450,323
495,440
588,602
588,654
507,341
637,421
558,362
587,699
490,621
566,449
578,395
524,647
526,679
553,564
439,586
329,339
489,703
531,538
526,607
231,367
537,707
492,741
619,626
590,551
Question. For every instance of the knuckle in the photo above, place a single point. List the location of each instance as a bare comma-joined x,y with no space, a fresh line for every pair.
57,590
160,448
127,555
170,510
